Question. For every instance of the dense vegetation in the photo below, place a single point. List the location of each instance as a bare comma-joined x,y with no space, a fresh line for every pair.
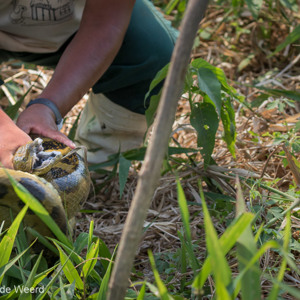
224,222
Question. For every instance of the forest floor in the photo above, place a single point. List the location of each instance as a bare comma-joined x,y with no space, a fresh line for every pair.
239,47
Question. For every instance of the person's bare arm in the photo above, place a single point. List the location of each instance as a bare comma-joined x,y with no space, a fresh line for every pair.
84,61
11,138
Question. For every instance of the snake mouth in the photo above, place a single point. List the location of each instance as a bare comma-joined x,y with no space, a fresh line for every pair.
43,160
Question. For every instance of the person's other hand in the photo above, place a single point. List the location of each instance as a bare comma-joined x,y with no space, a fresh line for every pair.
40,120
11,138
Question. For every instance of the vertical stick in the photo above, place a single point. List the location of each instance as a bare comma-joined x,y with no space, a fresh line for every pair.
150,172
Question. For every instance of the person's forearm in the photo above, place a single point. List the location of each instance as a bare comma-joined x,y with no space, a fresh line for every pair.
88,56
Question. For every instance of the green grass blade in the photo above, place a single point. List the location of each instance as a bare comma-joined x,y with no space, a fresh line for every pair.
227,241
163,292
42,240
246,249
183,266
124,166
254,259
62,290
11,264
105,282
30,279
291,38
189,250
91,231
142,292
91,259
51,282
72,132
185,215
220,268
294,291
12,110
77,259
22,244
286,240
69,269
8,240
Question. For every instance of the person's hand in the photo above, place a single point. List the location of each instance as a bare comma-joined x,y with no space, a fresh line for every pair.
39,119
11,138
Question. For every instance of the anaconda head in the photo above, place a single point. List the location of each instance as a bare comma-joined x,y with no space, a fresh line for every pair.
32,158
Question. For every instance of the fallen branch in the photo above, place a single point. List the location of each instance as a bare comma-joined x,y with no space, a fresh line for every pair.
150,172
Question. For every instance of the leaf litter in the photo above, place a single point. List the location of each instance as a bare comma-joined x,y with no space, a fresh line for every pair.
243,57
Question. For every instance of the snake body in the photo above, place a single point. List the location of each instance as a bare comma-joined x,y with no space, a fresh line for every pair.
54,174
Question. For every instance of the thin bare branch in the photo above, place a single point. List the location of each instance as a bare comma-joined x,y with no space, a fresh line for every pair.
150,172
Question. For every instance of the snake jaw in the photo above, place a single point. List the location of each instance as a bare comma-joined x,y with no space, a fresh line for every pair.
45,161
32,158
26,156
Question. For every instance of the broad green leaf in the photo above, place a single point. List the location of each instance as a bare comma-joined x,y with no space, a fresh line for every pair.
151,110
254,6
205,120
81,241
210,85
105,254
246,249
281,93
12,110
291,38
201,63
171,6
228,120
124,166
69,269
290,4
159,77
72,132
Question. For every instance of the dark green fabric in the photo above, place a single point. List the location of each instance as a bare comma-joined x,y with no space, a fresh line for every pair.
147,47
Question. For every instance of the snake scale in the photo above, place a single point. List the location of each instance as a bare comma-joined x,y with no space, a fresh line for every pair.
54,174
